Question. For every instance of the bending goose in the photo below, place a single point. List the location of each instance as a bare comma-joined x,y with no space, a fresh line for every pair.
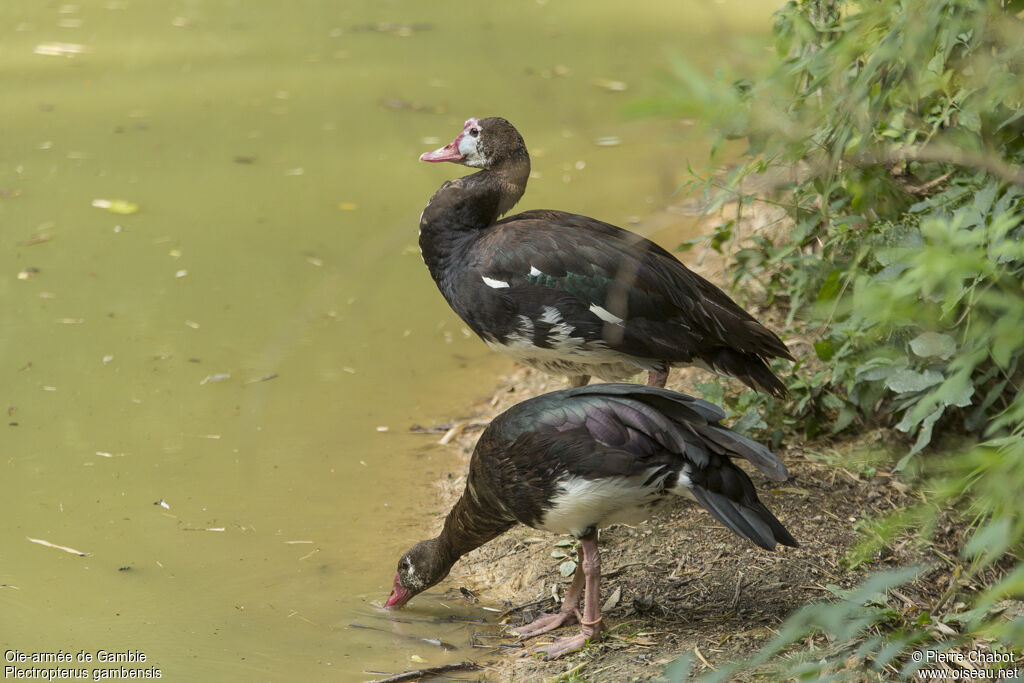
575,460
571,295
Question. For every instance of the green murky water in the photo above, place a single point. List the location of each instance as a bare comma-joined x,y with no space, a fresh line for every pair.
211,395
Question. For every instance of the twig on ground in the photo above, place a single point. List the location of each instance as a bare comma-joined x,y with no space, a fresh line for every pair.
429,671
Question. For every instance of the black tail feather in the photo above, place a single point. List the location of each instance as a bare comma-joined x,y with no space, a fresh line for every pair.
728,494
750,369
752,521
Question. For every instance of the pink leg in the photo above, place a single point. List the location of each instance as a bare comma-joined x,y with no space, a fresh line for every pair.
657,379
590,620
566,615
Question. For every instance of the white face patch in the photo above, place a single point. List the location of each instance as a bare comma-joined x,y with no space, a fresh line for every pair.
469,147
495,284
605,315
410,580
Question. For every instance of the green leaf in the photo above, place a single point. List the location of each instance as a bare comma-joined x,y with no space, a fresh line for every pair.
710,391
924,435
750,420
933,344
679,670
824,350
991,540
830,287
970,120
907,380
846,416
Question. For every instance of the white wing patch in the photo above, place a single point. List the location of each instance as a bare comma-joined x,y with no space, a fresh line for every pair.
605,315
551,315
496,284
534,272
560,336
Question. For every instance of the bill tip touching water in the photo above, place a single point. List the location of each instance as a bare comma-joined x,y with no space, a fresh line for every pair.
573,461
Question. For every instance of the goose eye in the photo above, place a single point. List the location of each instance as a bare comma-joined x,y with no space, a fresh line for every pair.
474,132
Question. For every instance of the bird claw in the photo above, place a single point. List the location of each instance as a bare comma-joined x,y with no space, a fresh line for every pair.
543,624
562,646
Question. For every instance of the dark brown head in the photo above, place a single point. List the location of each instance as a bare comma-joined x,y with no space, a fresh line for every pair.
423,565
483,143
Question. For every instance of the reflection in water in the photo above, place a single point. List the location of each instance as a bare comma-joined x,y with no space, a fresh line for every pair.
217,328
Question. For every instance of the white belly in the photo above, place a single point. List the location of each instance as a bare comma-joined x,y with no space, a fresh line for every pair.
584,503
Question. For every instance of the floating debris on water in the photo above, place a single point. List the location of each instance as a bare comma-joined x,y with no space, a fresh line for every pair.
119,206
60,49
436,642
452,433
347,206
608,141
406,105
265,378
58,547
28,273
401,30
609,84
218,377
162,503
558,70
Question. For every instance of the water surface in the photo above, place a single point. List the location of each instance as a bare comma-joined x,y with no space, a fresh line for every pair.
211,395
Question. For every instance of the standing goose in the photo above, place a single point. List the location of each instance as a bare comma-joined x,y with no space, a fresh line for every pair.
574,460
568,294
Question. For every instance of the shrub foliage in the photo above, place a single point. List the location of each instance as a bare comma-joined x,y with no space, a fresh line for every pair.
898,126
